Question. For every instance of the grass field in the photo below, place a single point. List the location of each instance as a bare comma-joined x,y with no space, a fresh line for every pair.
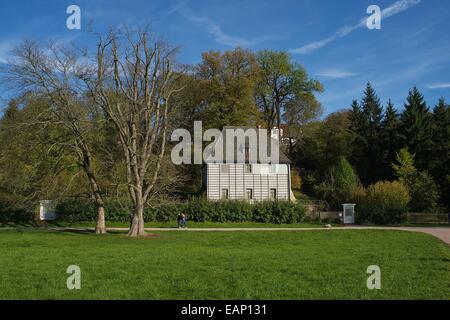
219,265
191,224
173,224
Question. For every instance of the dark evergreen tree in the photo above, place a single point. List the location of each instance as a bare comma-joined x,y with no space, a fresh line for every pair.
372,109
440,160
358,125
390,140
416,128
366,123
356,117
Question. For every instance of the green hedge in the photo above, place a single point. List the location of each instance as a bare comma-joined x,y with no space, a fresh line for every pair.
82,209
12,210
18,215
198,210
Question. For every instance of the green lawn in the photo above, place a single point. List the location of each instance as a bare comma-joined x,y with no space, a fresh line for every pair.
191,224
173,224
220,265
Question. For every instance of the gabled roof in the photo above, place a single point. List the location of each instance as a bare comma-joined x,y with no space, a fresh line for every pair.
282,156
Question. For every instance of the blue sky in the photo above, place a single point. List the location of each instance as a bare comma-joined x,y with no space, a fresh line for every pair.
325,36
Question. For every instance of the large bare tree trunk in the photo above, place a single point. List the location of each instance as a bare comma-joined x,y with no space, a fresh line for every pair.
137,223
100,228
133,81
136,95
86,154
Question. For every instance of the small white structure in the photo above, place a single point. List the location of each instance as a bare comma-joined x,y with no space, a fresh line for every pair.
349,213
47,210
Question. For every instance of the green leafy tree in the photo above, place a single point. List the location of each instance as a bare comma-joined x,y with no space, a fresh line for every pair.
32,165
53,73
285,90
421,186
321,145
424,193
226,83
323,142
340,181
404,168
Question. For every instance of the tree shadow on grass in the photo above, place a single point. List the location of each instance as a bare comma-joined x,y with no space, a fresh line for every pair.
72,231
23,224
86,231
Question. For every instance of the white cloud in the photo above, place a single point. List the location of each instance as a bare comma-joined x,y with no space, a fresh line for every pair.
219,35
160,17
398,7
335,74
439,86
216,30
390,11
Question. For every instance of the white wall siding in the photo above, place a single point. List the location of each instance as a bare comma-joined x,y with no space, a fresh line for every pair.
261,180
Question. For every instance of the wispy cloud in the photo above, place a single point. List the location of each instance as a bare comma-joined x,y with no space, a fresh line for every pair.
220,36
174,8
216,30
390,11
439,86
335,74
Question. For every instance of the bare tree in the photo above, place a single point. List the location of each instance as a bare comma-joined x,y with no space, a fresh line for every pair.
133,82
53,74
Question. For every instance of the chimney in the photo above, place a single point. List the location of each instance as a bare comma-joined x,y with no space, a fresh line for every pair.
276,133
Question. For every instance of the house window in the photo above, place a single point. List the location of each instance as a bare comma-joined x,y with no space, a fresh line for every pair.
273,194
225,194
249,194
224,168
248,168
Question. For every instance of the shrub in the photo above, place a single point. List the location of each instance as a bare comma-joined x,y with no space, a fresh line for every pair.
13,214
424,193
163,211
13,209
278,212
235,211
309,183
296,179
199,210
76,209
359,197
116,210
386,203
340,180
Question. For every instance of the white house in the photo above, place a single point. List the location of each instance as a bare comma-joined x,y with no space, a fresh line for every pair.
253,182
